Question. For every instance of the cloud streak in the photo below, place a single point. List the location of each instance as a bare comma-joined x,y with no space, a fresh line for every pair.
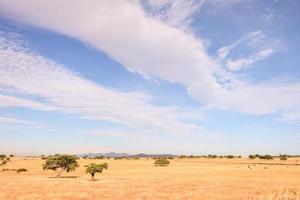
5,120
30,80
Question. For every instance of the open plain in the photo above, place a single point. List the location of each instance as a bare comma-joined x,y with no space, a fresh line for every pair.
201,178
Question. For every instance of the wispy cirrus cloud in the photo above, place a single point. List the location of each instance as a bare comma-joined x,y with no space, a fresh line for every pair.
8,122
242,63
12,120
177,13
290,116
259,45
110,133
32,81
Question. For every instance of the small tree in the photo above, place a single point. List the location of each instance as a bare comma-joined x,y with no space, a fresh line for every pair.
283,158
252,156
22,170
161,162
61,163
99,157
94,168
43,157
3,162
3,159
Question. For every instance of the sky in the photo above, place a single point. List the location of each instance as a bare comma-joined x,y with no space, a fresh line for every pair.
150,76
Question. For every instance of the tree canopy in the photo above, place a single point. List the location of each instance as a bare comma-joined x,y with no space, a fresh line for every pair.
3,159
61,163
94,168
161,162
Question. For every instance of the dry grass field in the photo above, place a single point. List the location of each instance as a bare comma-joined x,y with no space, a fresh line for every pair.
139,179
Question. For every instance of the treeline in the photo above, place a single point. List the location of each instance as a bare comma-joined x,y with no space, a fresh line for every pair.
164,157
209,156
4,158
269,157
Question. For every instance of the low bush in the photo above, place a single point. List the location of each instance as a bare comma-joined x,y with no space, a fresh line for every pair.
3,159
266,157
99,157
22,170
283,158
161,162
252,156
43,157
3,162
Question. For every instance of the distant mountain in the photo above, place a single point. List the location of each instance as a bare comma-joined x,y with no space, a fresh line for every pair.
118,155
142,155
110,154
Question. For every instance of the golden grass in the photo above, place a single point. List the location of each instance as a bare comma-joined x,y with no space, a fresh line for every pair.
139,179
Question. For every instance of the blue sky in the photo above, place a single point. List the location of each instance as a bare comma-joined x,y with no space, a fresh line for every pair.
152,76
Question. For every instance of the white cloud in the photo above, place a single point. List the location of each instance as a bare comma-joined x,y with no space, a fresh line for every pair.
8,122
11,101
268,15
154,49
30,80
242,63
260,98
177,13
114,133
260,46
255,40
290,116
4,120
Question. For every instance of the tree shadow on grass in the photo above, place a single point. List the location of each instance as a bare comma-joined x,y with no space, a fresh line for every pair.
63,177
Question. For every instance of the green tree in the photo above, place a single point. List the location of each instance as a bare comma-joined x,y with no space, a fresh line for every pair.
252,156
3,159
99,157
61,163
283,158
267,157
94,168
161,162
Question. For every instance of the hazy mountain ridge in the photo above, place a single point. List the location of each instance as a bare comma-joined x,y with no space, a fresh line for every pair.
118,155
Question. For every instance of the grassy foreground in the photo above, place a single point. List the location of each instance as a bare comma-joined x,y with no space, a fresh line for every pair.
238,178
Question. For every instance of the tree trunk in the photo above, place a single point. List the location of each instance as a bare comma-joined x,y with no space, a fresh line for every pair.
59,173
93,179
